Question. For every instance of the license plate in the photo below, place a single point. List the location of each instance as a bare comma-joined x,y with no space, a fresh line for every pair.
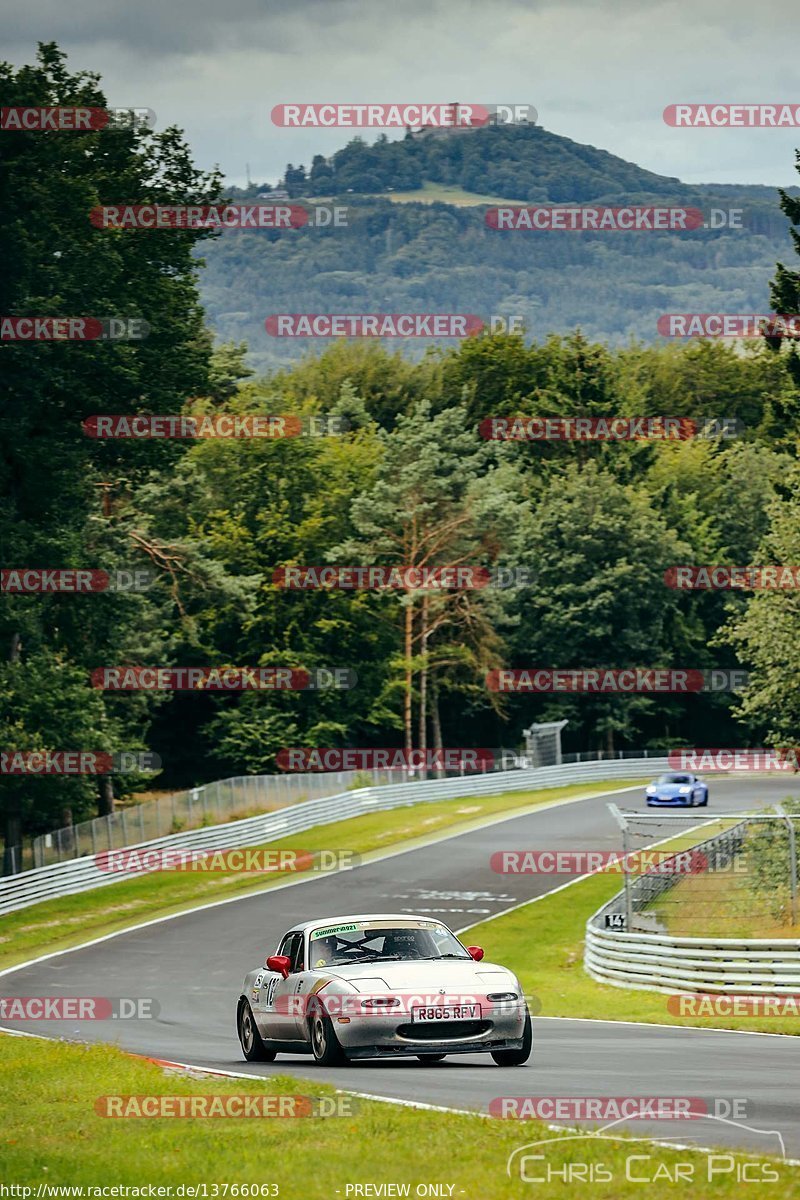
447,1012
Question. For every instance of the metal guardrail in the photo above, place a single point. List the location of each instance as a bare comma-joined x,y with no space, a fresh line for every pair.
83,874
661,962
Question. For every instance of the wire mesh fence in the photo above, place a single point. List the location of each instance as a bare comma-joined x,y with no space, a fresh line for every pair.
734,875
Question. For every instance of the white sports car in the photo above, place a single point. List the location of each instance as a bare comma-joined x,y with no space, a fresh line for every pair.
381,986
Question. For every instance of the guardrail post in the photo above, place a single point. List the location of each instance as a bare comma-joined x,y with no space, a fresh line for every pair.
623,824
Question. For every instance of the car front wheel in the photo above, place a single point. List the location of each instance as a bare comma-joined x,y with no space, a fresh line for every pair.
253,1047
324,1042
515,1058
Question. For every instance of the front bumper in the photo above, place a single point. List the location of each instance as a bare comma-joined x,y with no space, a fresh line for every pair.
669,801
427,1047
385,1036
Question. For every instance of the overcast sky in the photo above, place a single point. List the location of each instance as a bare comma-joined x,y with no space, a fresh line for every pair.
597,71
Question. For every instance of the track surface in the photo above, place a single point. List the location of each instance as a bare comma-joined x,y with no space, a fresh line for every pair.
193,965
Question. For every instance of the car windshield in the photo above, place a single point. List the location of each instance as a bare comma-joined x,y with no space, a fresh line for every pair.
366,942
674,779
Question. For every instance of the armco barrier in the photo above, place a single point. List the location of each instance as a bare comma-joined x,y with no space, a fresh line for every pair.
655,962
82,874
661,962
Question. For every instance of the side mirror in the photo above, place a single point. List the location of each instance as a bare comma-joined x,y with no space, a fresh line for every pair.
475,952
281,963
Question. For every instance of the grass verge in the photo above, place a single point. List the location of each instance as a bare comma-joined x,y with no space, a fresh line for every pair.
51,1134
69,920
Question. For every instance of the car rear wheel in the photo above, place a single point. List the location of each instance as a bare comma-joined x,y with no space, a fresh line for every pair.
253,1047
429,1058
324,1042
515,1058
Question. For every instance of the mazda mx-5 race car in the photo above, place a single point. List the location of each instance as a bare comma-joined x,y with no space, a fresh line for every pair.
677,789
381,986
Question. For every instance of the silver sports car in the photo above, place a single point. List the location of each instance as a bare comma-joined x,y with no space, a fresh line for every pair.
387,986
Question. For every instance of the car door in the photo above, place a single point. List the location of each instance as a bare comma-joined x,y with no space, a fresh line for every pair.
302,982
274,1016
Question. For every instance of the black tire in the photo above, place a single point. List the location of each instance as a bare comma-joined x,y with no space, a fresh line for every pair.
324,1043
429,1058
704,801
515,1058
253,1048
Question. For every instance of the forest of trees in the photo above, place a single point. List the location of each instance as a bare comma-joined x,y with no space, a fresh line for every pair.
410,480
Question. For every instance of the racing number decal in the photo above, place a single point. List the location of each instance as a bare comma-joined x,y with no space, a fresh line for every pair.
269,992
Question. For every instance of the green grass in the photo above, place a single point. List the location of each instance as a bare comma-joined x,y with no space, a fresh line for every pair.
51,1134
448,194
543,943
724,905
70,920
429,193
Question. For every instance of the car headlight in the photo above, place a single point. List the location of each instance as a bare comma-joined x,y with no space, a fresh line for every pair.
651,787
502,996
684,791
381,1002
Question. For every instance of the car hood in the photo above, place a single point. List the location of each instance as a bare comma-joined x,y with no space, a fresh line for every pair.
448,973
669,789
